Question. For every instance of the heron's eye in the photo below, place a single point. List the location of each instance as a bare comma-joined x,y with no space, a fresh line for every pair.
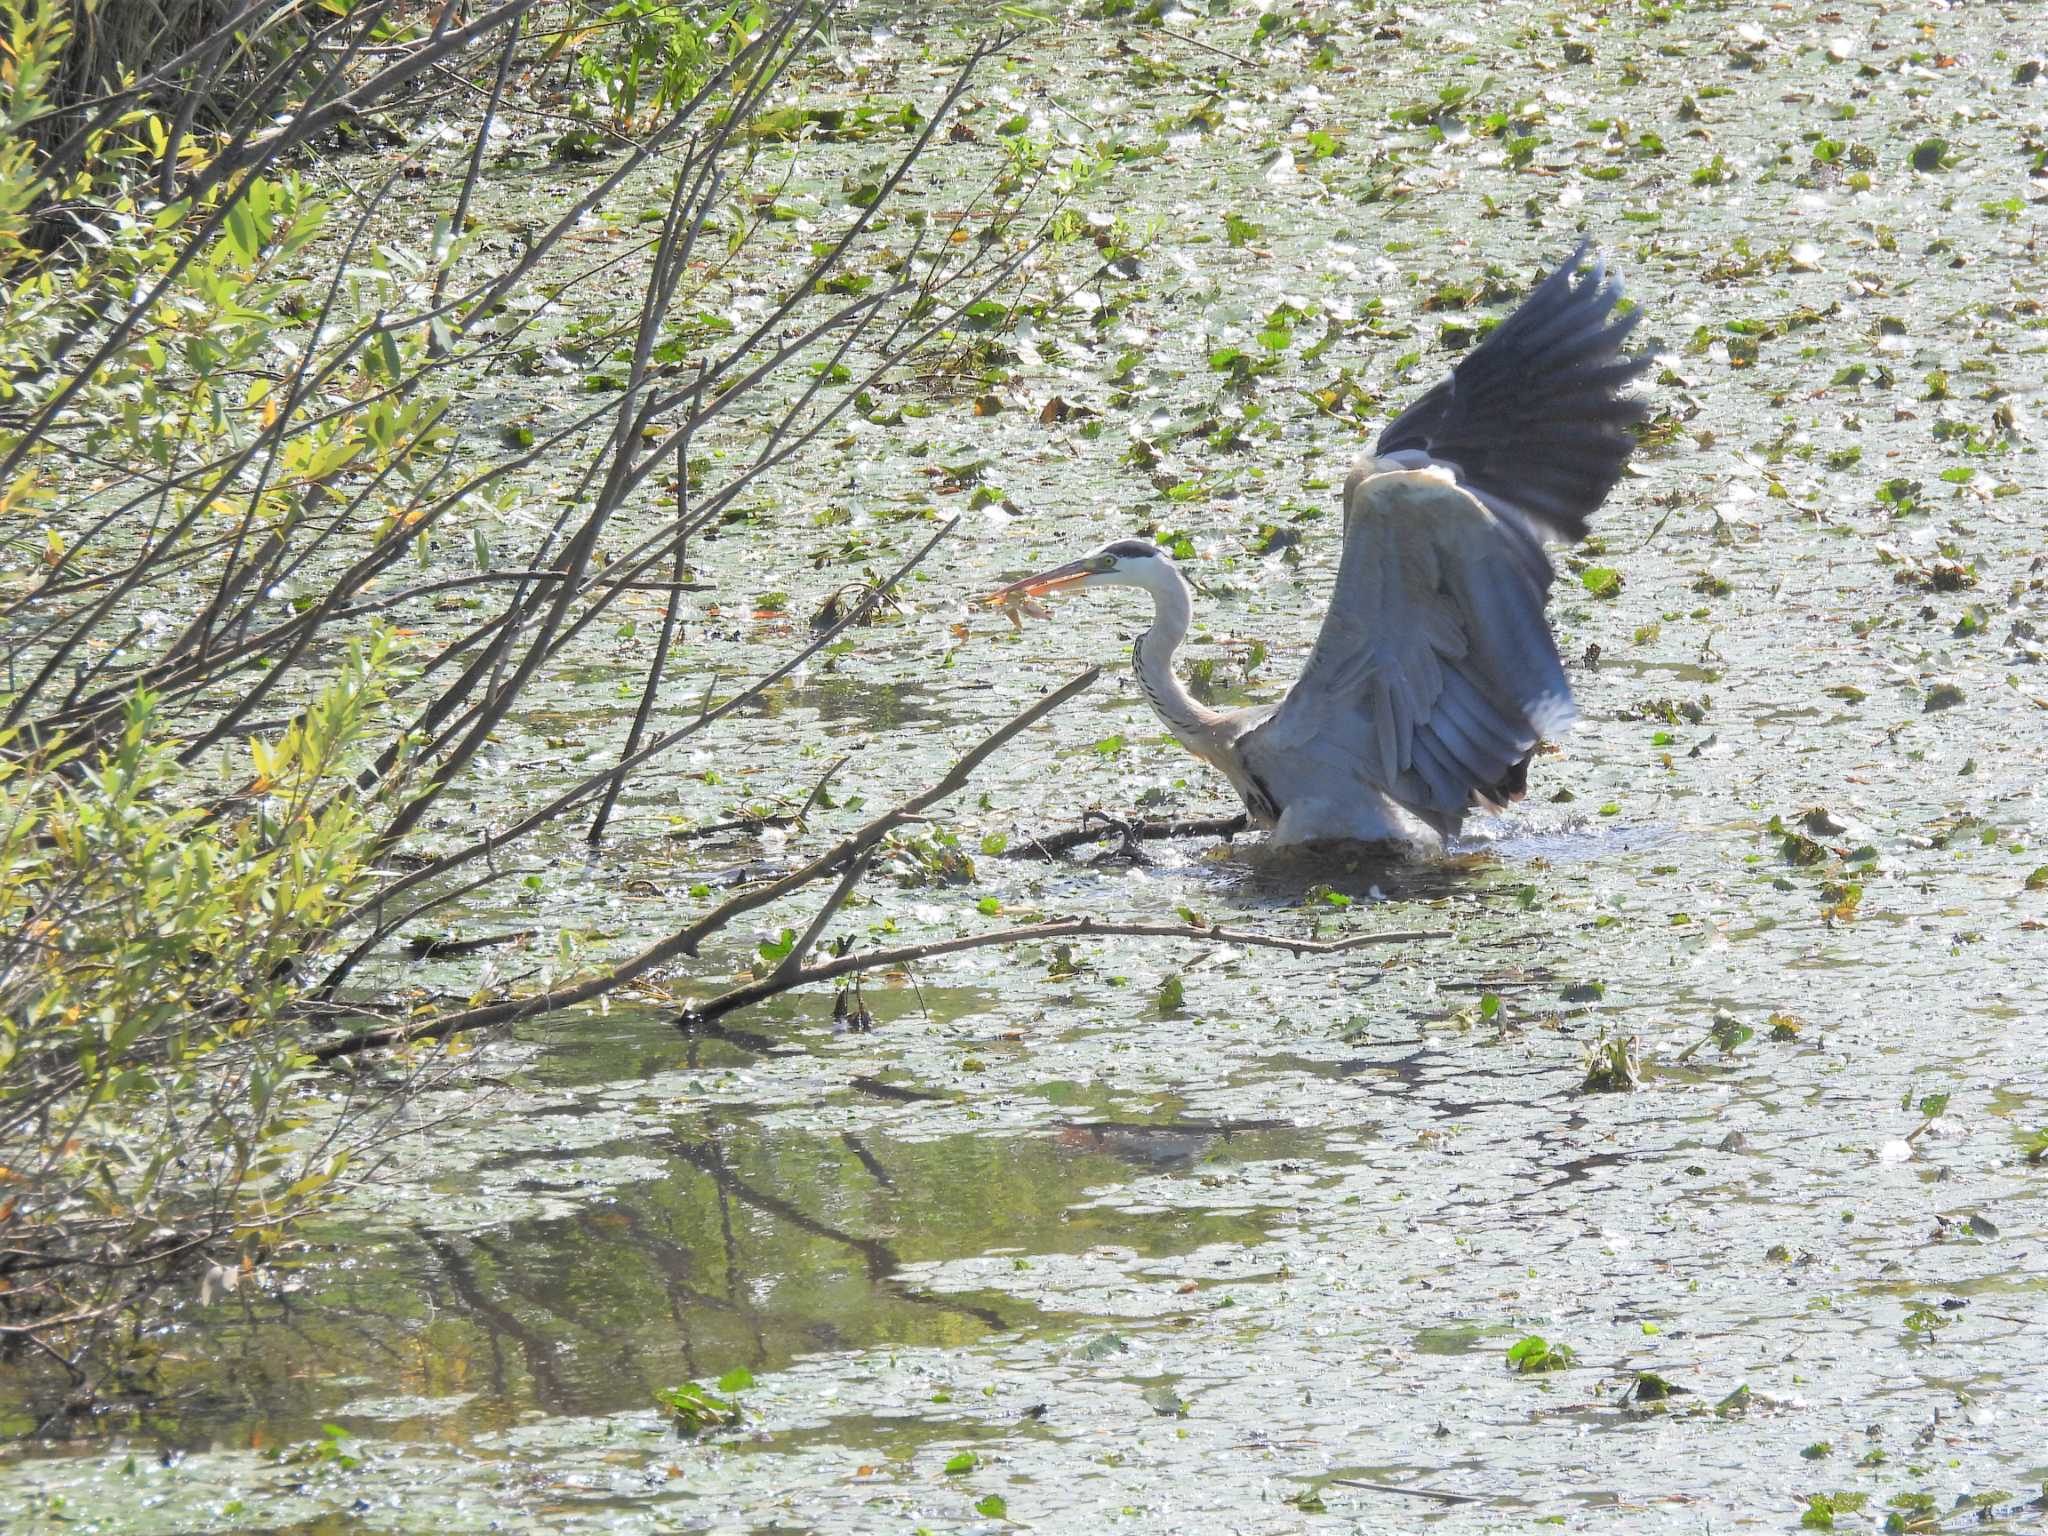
1105,563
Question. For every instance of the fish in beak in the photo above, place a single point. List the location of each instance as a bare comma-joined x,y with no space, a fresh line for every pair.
1045,581
1020,598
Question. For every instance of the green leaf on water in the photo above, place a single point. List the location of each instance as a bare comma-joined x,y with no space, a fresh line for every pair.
1601,580
1932,155
1535,1354
738,1379
1651,1388
1171,995
1241,231
1104,1345
993,1506
963,1461
1924,1320
1166,1402
696,1410
1730,1033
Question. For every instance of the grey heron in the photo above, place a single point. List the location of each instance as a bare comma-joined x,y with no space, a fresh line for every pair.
1435,674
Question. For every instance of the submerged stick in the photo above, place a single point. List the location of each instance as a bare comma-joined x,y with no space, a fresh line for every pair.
1053,844
1440,1495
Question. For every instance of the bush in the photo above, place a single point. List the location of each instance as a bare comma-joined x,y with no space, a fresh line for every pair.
150,1063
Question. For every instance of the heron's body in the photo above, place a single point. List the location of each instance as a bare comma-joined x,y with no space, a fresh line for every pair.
1315,797
1435,674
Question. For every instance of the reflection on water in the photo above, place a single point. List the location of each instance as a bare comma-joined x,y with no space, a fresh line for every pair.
756,1247
866,703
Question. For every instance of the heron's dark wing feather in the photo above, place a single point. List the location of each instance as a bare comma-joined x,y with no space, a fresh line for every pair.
1536,419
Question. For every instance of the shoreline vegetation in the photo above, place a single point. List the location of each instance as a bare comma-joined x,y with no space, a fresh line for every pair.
233,409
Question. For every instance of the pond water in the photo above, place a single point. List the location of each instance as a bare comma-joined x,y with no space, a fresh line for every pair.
1175,1239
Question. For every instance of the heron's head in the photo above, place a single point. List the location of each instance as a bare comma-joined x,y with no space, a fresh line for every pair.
1124,563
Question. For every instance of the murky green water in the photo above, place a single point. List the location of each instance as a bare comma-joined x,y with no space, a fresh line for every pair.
1255,1263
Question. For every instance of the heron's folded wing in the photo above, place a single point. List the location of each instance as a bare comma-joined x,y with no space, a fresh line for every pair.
1536,420
1435,662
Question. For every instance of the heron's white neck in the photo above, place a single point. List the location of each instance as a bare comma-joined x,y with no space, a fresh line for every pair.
1152,658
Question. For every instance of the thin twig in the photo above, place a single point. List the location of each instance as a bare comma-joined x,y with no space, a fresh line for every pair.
791,970
659,663
1196,42
582,790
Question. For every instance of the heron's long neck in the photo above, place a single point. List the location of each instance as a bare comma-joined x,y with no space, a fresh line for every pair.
1152,658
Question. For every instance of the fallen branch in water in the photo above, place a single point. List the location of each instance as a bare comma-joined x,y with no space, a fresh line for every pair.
1095,827
428,947
784,979
754,826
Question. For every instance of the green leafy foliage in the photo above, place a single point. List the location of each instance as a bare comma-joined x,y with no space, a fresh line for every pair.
639,60
148,991
1534,1355
695,1409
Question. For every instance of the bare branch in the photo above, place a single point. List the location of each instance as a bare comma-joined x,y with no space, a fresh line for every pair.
685,941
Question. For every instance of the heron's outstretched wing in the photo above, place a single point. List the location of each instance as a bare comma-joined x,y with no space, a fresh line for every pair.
1535,421
1435,672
